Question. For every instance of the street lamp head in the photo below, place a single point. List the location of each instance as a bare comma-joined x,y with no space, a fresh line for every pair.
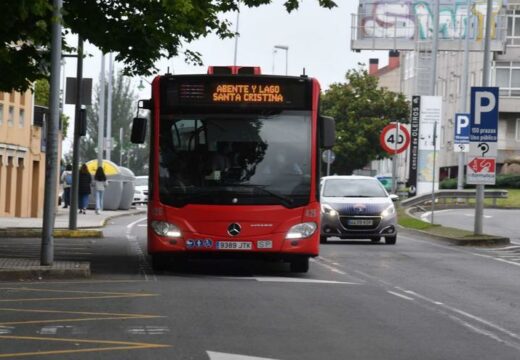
282,47
141,85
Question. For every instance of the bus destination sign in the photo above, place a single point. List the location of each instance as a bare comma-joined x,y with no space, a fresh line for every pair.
248,93
185,93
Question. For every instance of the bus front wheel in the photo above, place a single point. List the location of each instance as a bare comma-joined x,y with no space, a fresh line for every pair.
300,264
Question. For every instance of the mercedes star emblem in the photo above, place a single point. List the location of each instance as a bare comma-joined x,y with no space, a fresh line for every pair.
234,229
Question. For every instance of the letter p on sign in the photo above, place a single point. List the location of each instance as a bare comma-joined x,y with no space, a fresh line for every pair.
479,104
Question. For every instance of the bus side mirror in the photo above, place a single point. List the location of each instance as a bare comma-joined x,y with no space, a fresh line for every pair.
138,131
327,131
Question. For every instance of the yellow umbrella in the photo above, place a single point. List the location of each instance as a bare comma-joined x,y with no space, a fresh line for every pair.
108,167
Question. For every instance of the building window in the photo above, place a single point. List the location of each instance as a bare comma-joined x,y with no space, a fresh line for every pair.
21,118
12,96
517,137
1,115
507,77
10,118
513,27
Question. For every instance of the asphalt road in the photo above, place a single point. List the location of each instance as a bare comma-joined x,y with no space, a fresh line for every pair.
502,222
415,300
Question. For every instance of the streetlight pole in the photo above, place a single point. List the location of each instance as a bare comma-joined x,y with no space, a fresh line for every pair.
286,48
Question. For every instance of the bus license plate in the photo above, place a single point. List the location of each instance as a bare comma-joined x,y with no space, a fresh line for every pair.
234,245
361,222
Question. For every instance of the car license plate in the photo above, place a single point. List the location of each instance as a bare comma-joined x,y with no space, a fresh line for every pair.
234,245
361,222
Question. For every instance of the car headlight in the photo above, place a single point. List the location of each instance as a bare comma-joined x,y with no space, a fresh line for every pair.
328,210
164,228
301,231
388,211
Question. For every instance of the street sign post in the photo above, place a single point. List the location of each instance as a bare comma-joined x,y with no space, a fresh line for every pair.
328,157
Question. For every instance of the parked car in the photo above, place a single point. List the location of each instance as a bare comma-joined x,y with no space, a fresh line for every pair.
141,190
357,207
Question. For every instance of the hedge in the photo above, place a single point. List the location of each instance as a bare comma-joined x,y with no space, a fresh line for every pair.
509,181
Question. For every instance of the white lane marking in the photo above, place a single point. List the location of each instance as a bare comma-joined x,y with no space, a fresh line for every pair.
331,268
300,280
401,295
144,266
463,313
286,280
454,248
224,356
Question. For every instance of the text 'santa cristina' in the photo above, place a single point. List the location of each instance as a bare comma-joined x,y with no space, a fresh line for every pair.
248,93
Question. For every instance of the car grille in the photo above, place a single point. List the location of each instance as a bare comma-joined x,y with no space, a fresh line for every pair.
345,222
360,209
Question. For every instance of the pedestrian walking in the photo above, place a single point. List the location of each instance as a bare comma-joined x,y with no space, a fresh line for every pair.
99,184
84,182
66,180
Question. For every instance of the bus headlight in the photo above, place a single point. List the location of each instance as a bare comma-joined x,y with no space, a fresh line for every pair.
164,228
388,211
328,210
301,231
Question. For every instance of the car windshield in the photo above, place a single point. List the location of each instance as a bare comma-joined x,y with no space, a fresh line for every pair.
353,188
139,181
235,159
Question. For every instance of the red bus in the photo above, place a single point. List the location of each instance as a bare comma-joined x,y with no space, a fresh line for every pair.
234,165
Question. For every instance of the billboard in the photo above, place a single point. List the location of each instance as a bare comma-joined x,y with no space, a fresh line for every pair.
398,25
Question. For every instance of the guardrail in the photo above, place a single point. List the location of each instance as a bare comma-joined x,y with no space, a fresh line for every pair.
442,195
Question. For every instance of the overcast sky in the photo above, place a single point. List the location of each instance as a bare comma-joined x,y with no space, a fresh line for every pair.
318,40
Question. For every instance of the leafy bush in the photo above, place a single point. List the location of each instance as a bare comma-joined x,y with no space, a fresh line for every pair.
448,184
510,181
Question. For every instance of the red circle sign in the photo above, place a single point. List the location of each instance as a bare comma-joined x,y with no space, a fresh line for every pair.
393,141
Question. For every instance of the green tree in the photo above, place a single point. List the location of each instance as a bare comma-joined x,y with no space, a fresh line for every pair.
139,31
124,103
361,110
41,97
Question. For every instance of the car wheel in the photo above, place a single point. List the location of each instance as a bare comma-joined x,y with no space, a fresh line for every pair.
160,262
390,240
375,239
323,239
300,264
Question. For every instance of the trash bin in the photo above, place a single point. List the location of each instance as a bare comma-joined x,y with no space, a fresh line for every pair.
128,181
114,190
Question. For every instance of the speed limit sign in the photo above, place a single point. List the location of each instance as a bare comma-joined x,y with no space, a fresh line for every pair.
394,141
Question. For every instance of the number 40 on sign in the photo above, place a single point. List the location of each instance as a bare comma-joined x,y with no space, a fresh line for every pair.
393,141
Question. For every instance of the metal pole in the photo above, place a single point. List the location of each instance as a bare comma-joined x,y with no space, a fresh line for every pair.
479,200
109,107
434,169
464,92
274,53
51,158
329,153
435,47
73,213
236,36
394,160
101,114
287,61
121,146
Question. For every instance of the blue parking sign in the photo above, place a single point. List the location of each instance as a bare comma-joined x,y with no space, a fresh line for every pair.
484,121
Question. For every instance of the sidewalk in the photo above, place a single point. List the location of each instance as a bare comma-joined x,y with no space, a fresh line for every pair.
26,268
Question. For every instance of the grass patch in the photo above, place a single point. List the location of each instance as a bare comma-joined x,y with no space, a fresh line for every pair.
408,221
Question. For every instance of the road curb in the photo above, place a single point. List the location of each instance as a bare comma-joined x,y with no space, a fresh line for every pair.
29,269
57,233
487,241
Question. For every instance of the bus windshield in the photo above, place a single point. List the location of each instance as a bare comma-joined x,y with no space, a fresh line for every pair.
235,159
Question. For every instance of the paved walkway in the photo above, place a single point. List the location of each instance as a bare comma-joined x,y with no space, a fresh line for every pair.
89,220
28,268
